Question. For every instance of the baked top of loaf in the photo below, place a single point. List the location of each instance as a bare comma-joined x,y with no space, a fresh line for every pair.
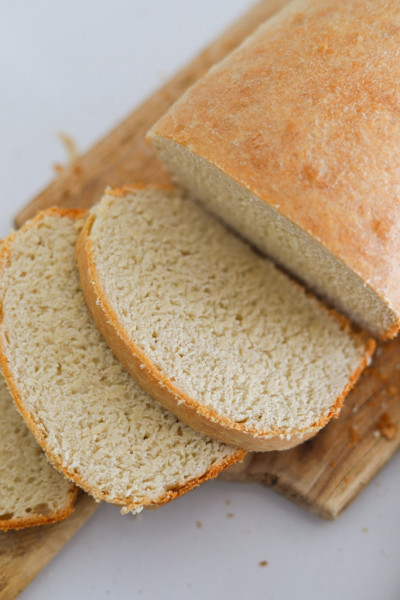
210,328
32,492
305,115
95,423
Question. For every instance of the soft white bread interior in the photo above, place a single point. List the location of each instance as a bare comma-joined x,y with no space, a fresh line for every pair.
293,141
211,329
95,423
32,492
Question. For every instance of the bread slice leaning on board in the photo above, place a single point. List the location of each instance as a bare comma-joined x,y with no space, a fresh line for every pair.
208,327
293,141
32,492
95,423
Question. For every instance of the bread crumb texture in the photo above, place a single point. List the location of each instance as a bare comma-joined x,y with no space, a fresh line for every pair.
230,330
32,492
97,425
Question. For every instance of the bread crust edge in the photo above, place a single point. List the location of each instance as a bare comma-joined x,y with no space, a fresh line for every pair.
162,389
127,503
35,521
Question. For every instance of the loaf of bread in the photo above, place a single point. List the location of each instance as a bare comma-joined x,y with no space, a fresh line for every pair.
208,327
293,140
31,490
95,423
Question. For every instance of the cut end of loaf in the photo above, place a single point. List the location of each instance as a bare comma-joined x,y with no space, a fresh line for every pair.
213,331
276,236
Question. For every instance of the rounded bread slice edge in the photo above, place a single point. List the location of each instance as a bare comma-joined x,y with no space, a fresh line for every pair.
161,388
127,503
63,513
49,519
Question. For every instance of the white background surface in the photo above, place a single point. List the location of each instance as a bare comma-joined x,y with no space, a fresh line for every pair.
80,67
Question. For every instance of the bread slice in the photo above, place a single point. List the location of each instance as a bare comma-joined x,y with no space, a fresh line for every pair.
95,423
293,141
32,492
212,330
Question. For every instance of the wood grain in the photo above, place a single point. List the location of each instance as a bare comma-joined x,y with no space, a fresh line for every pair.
326,473
24,553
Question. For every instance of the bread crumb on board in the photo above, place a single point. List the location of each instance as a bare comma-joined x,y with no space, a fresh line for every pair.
70,146
72,154
263,563
384,377
386,427
354,438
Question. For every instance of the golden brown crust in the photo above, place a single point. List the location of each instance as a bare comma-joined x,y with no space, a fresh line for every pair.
23,522
162,389
121,191
56,460
305,115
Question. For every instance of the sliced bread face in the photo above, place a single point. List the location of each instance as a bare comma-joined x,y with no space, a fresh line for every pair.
208,327
93,420
32,492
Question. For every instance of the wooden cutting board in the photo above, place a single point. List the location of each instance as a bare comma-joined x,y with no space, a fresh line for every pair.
24,553
325,474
